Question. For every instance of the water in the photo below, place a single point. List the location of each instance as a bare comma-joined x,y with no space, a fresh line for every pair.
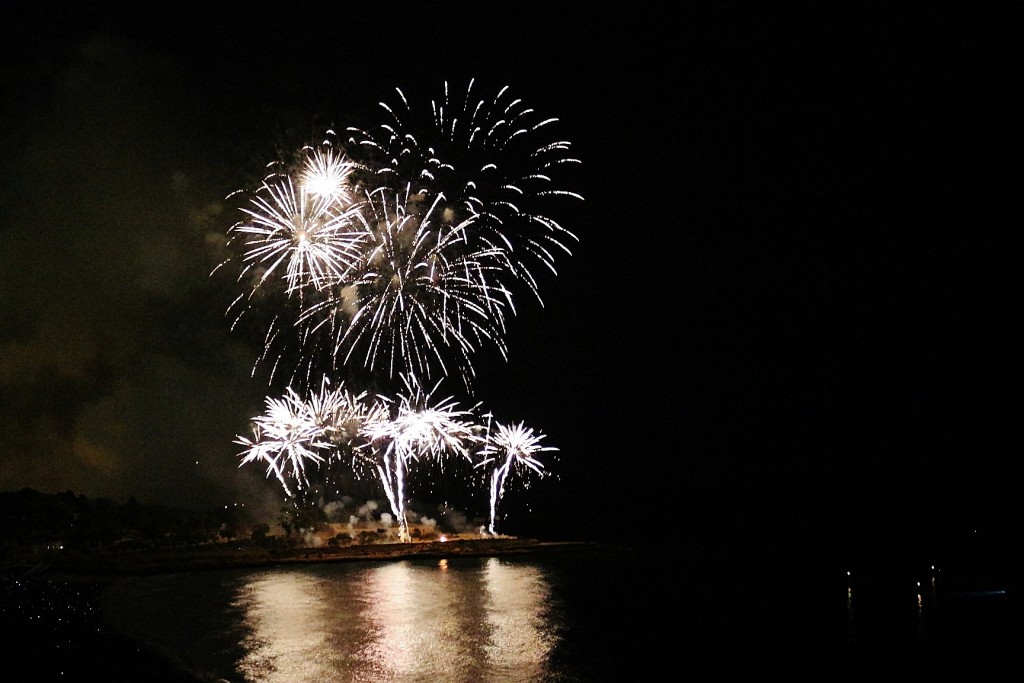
590,614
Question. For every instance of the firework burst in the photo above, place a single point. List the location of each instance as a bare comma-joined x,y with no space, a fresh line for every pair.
300,237
511,450
326,173
307,228
287,437
421,295
490,159
420,426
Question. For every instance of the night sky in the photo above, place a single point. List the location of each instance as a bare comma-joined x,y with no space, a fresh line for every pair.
788,314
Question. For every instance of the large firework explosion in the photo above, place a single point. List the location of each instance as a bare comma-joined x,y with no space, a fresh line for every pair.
397,256
489,159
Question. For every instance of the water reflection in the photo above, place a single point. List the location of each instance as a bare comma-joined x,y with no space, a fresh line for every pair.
521,634
286,628
453,620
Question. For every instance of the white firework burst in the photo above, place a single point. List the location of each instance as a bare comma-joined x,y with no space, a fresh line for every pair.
511,450
422,298
287,437
490,159
313,239
326,174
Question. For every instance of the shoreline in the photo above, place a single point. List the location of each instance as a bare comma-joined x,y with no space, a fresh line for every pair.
108,565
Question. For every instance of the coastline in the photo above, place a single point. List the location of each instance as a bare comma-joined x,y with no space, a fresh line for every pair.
109,565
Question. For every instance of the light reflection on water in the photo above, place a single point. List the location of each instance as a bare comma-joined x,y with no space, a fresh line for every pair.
522,635
464,619
568,617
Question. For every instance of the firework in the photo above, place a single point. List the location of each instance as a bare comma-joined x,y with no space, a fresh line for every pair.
418,274
301,236
377,434
287,437
421,294
398,255
490,159
510,450
421,426
326,173
309,228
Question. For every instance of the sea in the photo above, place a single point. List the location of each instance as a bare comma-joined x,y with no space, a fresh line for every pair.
582,613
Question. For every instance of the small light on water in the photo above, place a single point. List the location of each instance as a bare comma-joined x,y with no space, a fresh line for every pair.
443,564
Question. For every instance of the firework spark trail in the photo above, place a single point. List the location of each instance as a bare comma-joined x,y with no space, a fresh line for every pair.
286,437
487,158
512,449
420,296
420,426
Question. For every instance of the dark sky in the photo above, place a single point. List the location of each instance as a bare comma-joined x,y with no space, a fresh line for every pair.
788,313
